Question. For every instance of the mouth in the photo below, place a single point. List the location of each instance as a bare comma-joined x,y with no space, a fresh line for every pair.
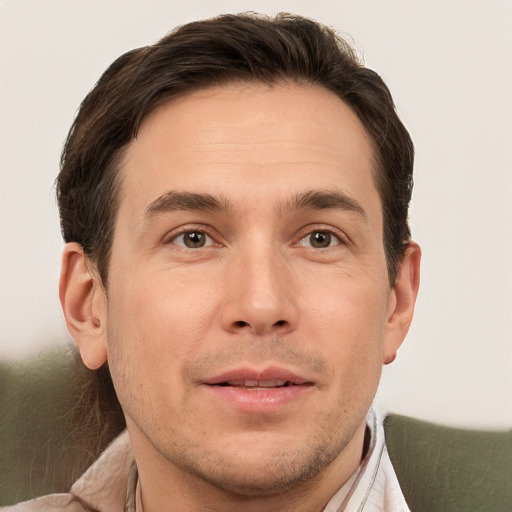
265,391
258,384
269,377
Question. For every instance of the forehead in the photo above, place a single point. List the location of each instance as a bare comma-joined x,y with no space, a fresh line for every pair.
253,137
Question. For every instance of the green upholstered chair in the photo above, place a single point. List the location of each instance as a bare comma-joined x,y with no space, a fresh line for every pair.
50,431
445,469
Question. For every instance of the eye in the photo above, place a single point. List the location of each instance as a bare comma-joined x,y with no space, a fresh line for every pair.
319,239
193,239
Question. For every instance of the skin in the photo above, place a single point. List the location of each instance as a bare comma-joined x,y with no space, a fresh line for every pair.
280,282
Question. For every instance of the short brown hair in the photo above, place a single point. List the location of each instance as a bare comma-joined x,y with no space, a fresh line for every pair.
228,48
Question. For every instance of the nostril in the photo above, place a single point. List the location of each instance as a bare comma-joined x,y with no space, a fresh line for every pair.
241,324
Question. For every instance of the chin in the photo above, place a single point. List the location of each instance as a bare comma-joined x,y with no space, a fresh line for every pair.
260,472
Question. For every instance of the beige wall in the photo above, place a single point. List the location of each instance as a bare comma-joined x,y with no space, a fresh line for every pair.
448,65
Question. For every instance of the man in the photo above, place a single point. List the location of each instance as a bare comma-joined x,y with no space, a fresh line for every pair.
234,200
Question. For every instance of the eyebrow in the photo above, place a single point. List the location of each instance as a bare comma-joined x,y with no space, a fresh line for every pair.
173,201
324,200
309,200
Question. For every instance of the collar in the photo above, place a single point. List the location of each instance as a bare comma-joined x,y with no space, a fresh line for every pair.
103,486
373,487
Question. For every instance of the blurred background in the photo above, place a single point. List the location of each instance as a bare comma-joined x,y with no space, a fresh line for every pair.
447,63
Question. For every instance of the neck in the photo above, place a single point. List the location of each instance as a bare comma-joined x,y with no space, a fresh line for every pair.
165,486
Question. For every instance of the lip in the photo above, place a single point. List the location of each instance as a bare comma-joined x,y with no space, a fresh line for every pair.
254,390
251,374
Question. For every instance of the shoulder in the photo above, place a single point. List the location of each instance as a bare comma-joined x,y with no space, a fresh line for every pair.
50,503
101,488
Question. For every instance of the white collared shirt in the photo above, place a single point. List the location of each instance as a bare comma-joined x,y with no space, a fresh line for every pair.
374,486
111,483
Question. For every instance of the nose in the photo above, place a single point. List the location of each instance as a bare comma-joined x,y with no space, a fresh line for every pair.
260,294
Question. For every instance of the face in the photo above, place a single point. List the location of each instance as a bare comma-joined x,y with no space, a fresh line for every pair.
248,307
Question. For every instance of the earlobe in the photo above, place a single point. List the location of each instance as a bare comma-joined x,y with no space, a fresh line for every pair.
83,302
402,302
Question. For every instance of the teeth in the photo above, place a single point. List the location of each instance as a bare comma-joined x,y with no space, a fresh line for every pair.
274,383
271,383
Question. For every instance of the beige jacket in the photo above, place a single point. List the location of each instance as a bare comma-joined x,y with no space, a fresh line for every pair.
102,488
110,484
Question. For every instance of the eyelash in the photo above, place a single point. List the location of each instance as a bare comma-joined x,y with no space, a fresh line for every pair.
189,230
309,231
340,238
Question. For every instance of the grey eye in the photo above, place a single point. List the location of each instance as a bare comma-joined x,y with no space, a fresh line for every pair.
193,239
320,239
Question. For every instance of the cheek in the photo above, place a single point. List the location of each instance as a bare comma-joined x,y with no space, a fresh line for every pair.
347,324
353,308
158,318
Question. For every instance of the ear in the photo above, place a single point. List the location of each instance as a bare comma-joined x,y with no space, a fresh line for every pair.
83,300
402,301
